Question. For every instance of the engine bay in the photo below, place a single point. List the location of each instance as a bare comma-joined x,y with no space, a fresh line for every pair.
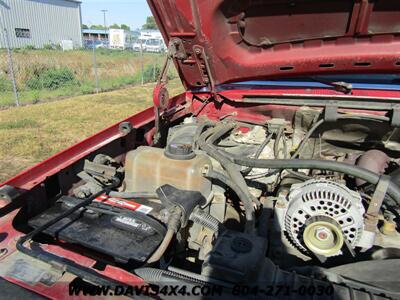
235,202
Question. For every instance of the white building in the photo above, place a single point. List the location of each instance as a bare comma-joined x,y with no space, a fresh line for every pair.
40,22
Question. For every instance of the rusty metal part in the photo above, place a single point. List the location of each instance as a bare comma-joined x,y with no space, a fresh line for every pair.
372,215
373,160
388,228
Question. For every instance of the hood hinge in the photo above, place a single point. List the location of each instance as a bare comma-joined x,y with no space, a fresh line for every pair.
204,67
177,51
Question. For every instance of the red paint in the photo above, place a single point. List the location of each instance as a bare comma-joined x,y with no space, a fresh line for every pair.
281,92
27,180
208,27
335,33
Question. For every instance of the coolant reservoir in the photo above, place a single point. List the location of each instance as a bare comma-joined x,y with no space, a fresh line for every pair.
148,168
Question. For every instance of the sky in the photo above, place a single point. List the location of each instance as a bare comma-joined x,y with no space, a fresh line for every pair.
130,12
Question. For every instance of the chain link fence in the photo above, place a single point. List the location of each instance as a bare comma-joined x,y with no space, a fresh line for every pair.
29,75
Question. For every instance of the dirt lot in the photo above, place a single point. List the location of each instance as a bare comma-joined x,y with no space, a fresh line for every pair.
32,133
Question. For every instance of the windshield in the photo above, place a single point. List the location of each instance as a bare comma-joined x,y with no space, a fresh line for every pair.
153,42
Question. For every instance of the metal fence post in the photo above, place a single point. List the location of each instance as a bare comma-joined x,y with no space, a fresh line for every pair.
10,63
95,66
11,67
154,69
141,60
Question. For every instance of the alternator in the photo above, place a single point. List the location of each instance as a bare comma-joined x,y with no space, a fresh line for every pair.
322,216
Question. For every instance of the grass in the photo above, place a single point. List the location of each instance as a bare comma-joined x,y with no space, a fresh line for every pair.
115,69
32,133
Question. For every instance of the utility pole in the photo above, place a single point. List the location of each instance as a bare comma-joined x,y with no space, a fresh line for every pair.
105,23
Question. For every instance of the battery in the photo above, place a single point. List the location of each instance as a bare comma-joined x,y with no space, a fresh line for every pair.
124,229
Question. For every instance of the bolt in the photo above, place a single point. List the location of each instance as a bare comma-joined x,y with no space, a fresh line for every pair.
280,203
322,233
197,50
205,170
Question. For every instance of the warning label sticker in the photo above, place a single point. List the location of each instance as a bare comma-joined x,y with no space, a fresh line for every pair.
123,203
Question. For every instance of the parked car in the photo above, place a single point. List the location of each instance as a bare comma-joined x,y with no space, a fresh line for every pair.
88,44
139,45
275,174
155,45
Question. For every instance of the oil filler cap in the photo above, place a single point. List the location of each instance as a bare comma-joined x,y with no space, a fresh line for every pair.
179,151
241,245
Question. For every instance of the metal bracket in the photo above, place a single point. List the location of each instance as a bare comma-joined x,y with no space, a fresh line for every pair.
371,217
204,68
331,112
376,203
176,49
160,92
10,193
395,119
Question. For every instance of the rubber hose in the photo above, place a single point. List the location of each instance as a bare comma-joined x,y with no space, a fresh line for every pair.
306,137
206,220
340,117
163,247
213,134
277,140
393,189
199,131
133,195
157,276
227,181
258,153
153,275
230,168
303,143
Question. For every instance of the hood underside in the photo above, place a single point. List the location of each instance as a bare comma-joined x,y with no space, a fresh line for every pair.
220,41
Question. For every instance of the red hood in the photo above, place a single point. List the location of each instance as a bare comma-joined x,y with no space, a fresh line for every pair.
221,41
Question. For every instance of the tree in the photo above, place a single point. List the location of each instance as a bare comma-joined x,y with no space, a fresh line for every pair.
84,26
97,27
115,26
125,27
150,23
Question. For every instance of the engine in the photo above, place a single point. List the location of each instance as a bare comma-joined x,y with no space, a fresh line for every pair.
230,198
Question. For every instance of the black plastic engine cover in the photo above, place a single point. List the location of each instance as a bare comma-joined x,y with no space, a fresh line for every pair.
236,257
121,233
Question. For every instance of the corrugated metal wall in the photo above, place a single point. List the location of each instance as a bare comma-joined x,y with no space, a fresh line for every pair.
48,21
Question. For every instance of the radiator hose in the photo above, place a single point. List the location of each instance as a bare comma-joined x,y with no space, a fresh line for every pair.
274,278
393,189
281,164
205,142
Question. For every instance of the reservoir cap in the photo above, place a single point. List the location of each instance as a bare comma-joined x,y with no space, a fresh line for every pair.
179,151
